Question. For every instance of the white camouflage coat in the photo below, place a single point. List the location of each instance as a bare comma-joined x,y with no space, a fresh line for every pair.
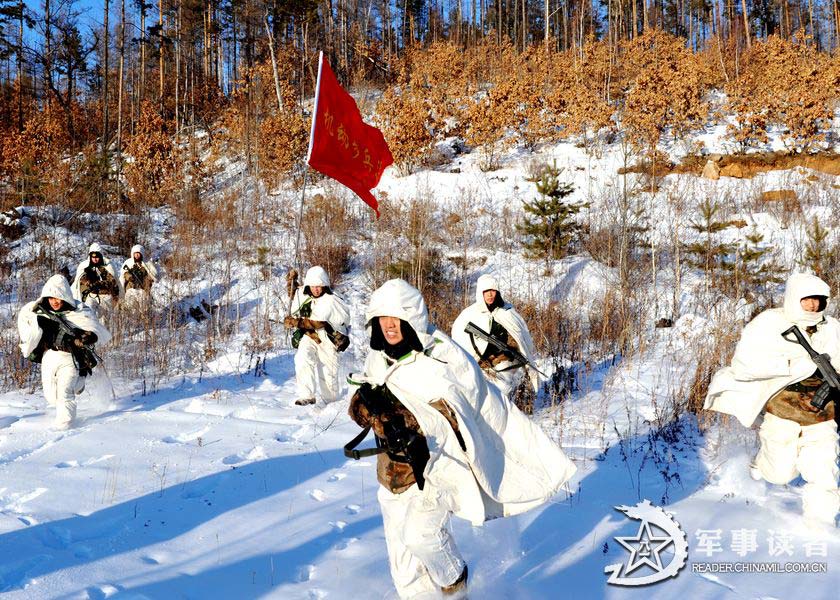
327,307
478,314
129,264
764,363
317,364
59,373
510,465
80,269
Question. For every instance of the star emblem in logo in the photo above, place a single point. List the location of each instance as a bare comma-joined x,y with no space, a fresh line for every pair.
657,531
643,546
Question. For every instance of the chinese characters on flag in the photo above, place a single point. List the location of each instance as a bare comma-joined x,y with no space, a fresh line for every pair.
341,145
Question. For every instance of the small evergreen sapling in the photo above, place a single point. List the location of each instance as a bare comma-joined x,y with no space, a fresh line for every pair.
821,256
548,228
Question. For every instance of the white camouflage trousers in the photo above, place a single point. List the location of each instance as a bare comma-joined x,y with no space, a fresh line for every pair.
100,305
61,382
421,552
316,365
789,449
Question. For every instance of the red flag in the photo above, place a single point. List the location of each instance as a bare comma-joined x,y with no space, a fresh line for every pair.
341,145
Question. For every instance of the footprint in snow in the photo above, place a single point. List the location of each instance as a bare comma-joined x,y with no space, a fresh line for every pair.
317,594
67,464
305,573
337,477
100,592
338,525
185,437
318,495
155,558
233,459
353,509
16,573
288,434
345,543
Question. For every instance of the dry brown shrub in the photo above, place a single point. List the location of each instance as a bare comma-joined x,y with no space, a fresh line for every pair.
152,173
666,89
581,97
404,116
328,230
440,73
786,83
715,352
283,139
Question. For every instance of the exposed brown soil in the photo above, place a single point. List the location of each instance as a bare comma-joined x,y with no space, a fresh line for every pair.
744,165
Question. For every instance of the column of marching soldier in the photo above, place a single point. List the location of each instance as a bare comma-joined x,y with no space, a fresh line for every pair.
449,414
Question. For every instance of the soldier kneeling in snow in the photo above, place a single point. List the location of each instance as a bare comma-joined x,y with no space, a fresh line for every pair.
137,276
770,373
498,318
440,443
59,333
321,324
96,284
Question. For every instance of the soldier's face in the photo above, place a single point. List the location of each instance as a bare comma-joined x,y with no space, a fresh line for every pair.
391,330
489,296
55,303
316,290
95,259
137,257
811,303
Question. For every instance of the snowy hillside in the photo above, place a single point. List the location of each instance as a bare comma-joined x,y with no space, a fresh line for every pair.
208,482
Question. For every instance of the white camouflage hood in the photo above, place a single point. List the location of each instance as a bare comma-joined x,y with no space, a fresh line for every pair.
316,276
137,248
484,283
57,287
801,285
398,298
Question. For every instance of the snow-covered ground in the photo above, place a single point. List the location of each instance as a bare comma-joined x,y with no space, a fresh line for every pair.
218,486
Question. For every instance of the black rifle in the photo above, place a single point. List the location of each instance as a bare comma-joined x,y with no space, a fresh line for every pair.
400,443
831,381
138,275
513,353
95,281
84,354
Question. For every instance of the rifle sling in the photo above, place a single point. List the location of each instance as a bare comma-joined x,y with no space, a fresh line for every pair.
350,448
351,452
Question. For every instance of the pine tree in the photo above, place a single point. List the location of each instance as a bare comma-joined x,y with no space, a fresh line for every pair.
820,256
708,252
548,228
756,271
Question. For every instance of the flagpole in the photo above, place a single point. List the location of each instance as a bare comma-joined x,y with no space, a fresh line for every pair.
297,261
308,155
300,217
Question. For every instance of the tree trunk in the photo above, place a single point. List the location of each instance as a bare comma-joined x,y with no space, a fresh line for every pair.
746,23
177,69
20,67
160,54
546,17
47,49
120,97
142,74
105,68
274,66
